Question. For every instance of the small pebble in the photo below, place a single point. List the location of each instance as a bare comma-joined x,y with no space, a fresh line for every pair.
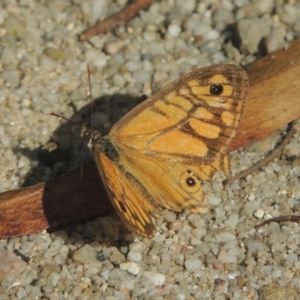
213,200
86,254
173,31
132,267
155,278
193,264
55,54
12,77
259,213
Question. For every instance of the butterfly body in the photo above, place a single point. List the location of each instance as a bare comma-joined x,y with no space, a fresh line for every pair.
160,153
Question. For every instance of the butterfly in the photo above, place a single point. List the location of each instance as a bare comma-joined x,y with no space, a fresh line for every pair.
160,153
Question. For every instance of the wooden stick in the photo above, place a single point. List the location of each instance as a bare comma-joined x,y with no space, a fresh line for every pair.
67,198
121,17
273,99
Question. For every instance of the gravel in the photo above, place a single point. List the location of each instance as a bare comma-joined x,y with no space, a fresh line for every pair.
218,255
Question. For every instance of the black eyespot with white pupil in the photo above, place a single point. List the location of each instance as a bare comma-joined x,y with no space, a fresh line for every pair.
216,89
190,181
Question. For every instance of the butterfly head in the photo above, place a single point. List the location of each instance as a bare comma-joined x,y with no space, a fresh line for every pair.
89,136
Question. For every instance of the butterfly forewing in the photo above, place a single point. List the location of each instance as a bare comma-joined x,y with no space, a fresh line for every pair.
185,121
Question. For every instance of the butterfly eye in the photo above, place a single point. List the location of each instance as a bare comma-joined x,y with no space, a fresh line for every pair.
108,148
216,89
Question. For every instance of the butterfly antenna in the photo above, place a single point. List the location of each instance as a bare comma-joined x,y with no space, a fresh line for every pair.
62,117
91,95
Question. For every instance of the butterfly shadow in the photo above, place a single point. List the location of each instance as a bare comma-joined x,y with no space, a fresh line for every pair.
74,191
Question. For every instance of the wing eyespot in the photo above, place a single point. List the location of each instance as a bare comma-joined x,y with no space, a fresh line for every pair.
216,89
190,182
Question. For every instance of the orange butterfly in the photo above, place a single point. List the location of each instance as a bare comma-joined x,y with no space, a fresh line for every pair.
163,149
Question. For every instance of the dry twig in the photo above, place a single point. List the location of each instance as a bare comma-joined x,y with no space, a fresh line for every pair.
121,17
268,158
279,219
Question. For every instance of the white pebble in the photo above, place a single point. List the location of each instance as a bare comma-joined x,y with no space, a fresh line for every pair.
259,213
132,65
119,81
277,272
211,35
187,6
213,200
90,55
193,264
131,267
54,278
12,76
23,162
87,255
224,236
101,60
138,247
114,47
198,233
157,279
225,256
134,256
232,220
173,31
251,197
142,76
